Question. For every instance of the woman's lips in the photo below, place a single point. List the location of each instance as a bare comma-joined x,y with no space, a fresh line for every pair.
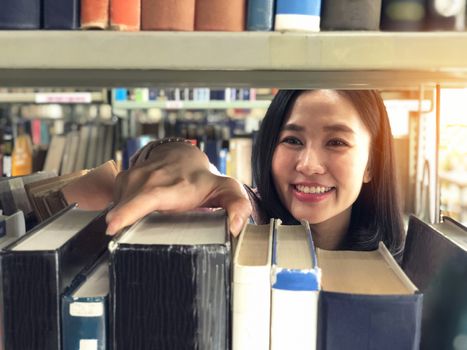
315,193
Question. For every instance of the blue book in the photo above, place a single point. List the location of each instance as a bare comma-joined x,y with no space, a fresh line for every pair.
260,15
366,302
84,310
298,15
62,14
295,282
20,14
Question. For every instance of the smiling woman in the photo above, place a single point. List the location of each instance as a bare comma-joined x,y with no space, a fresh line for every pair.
326,156
323,155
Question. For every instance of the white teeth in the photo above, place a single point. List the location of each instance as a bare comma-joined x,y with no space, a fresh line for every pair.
312,189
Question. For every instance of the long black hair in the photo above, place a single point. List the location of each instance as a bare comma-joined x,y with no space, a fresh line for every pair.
376,214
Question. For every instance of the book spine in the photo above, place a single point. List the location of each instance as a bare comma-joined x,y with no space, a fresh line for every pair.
125,15
30,298
260,15
63,14
84,323
20,14
406,15
95,14
170,298
350,321
350,15
220,15
168,15
298,15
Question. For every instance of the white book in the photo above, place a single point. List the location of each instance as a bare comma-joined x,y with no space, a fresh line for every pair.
295,287
252,288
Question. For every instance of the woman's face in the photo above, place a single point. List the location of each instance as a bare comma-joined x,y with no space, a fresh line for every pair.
321,158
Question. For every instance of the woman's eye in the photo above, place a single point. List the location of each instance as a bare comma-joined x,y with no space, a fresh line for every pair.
291,140
337,143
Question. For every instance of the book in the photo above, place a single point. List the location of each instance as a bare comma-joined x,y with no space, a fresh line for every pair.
63,14
298,15
13,225
84,134
37,268
85,309
260,15
95,14
220,15
20,14
70,152
39,191
295,283
54,157
168,15
366,302
435,258
125,15
350,15
251,301
170,283
239,164
408,15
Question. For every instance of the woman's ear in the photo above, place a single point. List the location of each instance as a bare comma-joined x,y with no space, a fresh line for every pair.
367,176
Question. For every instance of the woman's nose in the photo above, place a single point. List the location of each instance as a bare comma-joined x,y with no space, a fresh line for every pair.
310,162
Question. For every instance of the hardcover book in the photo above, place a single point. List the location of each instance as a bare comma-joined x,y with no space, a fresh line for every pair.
350,15
63,14
298,15
125,15
36,270
95,14
170,283
435,258
20,14
220,15
85,309
295,282
168,15
366,302
251,305
260,15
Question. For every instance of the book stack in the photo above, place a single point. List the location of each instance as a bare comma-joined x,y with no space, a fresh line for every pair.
318,298
165,282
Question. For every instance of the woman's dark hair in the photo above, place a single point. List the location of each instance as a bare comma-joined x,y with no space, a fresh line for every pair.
376,214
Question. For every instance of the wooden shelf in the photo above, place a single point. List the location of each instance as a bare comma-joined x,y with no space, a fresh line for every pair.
213,59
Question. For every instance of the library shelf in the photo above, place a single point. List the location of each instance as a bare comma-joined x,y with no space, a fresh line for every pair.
219,59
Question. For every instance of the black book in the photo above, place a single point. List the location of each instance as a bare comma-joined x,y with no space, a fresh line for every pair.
170,283
20,14
61,14
37,269
435,258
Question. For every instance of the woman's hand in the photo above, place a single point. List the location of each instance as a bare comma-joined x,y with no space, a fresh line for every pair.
176,177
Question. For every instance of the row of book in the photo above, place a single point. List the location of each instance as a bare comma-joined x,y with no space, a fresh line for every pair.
186,94
233,15
40,195
166,283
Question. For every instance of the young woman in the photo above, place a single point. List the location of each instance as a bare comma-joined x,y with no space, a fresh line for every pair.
322,155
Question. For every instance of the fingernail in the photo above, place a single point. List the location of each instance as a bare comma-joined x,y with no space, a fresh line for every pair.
112,228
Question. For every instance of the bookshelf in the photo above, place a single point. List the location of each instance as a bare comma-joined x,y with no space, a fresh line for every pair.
180,105
213,59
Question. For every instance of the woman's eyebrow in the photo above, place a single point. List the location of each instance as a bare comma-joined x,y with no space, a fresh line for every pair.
292,127
339,128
